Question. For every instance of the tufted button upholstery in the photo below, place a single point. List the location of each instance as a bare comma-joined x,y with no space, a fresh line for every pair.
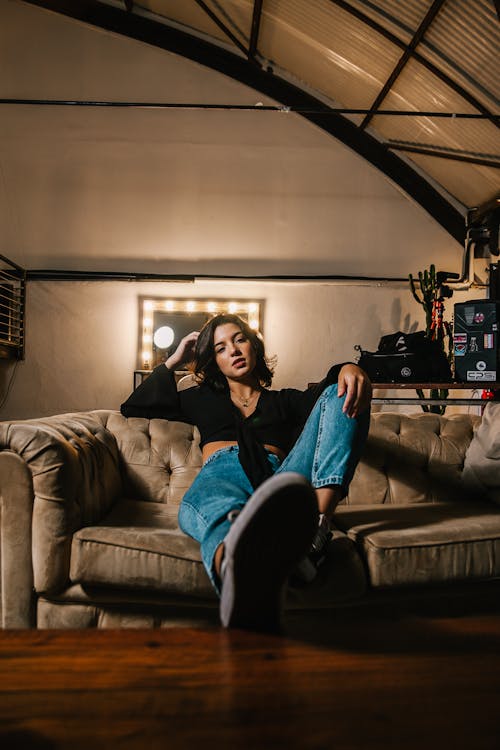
412,459
161,458
76,471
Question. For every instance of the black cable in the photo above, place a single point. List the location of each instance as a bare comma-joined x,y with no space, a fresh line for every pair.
248,108
11,382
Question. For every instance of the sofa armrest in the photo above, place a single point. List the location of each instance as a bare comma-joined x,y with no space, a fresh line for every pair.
75,470
16,567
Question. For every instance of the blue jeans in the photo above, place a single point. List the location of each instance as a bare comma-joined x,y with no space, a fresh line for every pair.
326,453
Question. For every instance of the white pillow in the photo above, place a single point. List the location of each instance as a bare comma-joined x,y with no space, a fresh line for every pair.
481,472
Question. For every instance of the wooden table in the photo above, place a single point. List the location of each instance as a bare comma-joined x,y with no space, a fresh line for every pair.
386,682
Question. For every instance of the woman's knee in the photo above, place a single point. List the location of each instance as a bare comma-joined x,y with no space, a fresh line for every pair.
331,400
330,391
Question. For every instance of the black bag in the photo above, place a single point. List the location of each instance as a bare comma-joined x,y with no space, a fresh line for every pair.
406,357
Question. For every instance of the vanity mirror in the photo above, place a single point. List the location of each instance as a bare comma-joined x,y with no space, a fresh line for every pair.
163,322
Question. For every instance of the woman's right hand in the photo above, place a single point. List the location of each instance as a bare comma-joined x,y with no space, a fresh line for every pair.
184,352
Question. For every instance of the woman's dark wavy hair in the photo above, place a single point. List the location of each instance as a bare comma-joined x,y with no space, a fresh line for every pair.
204,365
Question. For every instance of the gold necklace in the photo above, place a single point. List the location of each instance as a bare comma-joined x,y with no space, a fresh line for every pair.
245,402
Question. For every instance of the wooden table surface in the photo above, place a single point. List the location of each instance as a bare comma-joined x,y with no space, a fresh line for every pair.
408,682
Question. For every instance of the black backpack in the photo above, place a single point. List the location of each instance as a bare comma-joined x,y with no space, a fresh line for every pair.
406,357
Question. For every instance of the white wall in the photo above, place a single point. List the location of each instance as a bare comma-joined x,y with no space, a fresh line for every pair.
193,192
181,191
82,338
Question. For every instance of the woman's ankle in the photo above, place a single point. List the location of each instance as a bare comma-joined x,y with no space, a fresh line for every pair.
328,499
218,557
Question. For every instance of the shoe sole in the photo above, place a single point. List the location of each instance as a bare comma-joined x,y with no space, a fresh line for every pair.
270,536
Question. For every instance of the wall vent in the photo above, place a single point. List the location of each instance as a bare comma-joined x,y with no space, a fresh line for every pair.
12,309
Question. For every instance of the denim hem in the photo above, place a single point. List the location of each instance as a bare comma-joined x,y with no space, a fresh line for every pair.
335,480
209,548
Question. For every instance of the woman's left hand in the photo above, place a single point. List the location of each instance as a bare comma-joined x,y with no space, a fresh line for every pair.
355,383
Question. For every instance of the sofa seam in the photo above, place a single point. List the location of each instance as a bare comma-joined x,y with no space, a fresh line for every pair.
427,544
136,549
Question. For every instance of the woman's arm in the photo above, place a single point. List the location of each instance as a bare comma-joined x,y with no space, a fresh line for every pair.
157,396
352,381
184,352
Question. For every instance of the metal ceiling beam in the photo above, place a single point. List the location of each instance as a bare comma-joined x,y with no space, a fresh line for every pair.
254,36
417,37
445,155
418,57
212,56
44,274
222,26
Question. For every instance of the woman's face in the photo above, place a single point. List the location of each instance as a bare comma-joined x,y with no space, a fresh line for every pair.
234,353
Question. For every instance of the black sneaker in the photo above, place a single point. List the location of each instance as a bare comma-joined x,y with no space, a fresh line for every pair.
307,569
265,542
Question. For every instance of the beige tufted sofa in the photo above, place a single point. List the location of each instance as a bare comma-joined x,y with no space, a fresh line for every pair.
89,534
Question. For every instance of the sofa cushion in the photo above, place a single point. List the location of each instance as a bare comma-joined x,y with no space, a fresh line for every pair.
160,458
415,458
425,543
481,472
139,545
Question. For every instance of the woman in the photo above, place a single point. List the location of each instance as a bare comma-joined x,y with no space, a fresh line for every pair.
275,463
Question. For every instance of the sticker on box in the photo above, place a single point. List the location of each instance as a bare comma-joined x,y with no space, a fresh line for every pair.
481,375
460,350
460,338
489,342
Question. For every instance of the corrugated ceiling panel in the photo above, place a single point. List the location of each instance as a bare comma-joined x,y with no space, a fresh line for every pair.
477,138
418,89
400,18
471,184
237,15
190,14
464,41
328,49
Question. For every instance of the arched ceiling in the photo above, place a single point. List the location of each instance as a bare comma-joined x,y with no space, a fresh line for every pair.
419,78
411,87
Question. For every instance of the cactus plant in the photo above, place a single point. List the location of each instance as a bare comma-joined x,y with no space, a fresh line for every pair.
430,295
428,287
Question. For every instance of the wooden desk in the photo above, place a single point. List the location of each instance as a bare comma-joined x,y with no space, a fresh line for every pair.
406,683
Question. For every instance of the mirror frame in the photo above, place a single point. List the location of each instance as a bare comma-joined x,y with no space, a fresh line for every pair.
249,309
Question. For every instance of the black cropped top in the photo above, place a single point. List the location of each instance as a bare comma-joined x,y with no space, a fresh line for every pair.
277,419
